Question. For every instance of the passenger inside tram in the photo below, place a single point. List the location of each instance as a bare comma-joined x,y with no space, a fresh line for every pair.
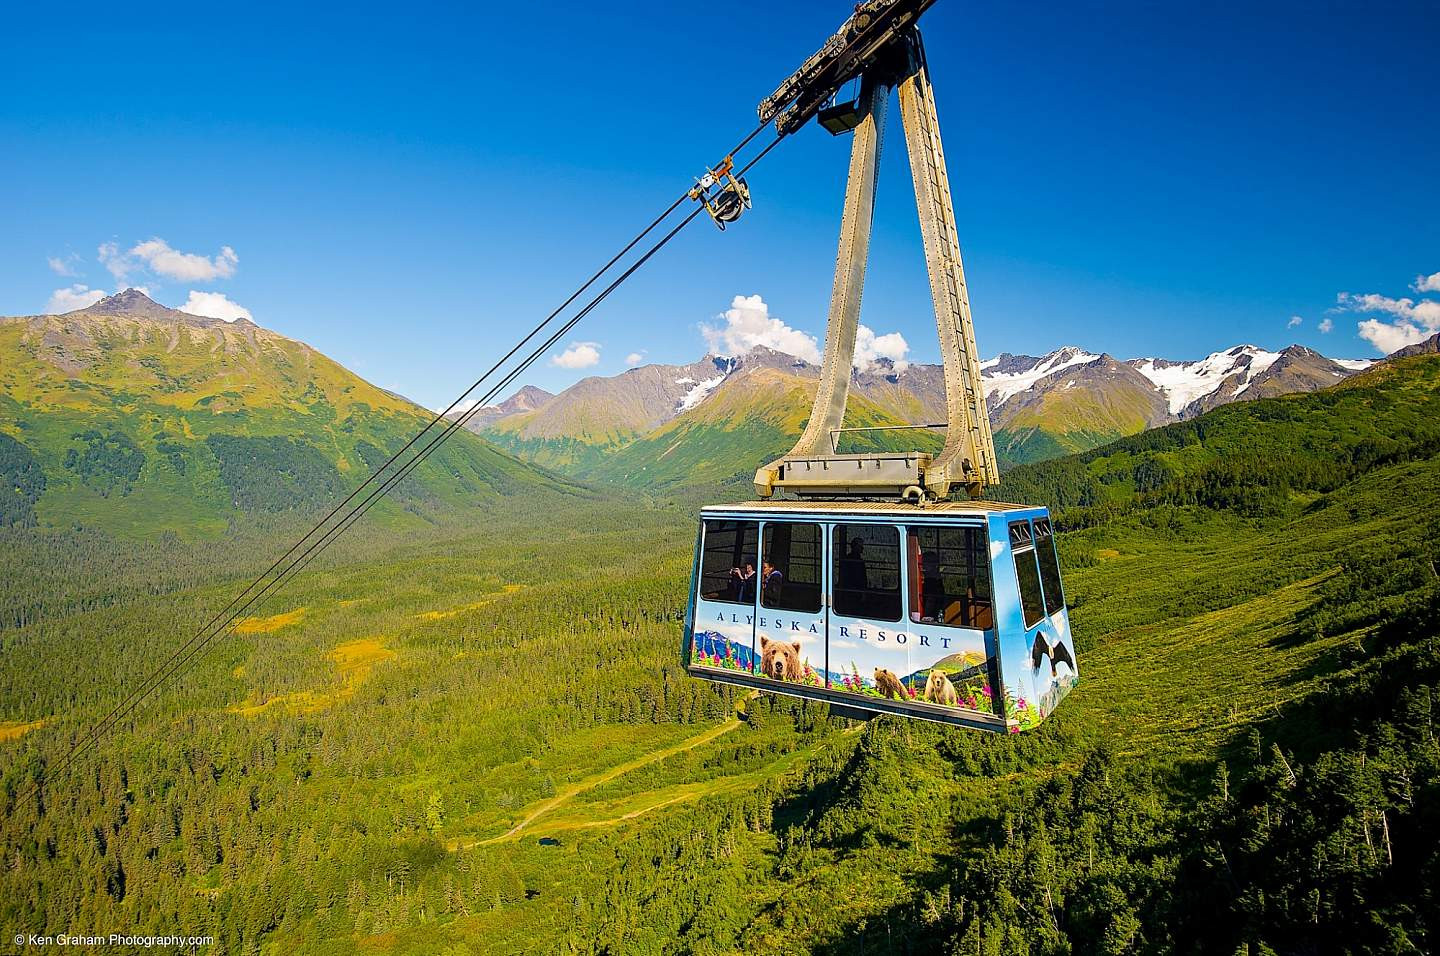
742,582
852,567
772,580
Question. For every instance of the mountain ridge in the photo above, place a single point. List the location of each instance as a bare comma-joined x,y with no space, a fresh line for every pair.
134,418
1066,401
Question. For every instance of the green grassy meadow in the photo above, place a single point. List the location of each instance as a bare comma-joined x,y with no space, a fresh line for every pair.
476,737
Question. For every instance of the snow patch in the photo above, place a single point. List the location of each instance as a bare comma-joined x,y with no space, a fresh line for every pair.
1184,382
1354,365
1004,386
699,393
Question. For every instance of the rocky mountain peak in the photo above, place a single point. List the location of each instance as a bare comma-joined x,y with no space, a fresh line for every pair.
131,302
134,304
1427,347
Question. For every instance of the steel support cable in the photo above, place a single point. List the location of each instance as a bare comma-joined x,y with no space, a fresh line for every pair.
515,373
206,628
195,652
191,652
420,457
431,424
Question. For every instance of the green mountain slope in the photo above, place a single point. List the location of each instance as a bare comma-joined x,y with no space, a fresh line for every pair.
1076,410
486,744
751,419
1259,459
133,418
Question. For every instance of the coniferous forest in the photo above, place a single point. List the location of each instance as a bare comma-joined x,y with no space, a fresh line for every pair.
474,735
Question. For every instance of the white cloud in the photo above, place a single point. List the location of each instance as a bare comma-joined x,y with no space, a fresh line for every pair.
63,265
578,355
634,358
1326,325
185,266
216,306
871,348
75,297
1389,336
1294,321
1430,283
1426,311
157,256
1414,320
748,324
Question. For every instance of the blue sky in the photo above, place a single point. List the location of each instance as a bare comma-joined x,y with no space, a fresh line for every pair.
409,188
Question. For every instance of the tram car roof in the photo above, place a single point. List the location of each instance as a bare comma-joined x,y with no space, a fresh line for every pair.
868,509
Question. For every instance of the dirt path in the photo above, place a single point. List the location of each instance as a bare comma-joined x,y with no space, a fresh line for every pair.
566,793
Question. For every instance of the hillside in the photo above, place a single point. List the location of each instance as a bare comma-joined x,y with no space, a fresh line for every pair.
1040,407
485,743
134,418
751,418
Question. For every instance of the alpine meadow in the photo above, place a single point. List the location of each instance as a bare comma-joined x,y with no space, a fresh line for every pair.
1080,594
475,735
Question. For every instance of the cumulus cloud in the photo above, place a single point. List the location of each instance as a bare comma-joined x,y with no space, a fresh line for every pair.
635,358
216,306
185,266
158,257
1430,283
871,348
748,324
1413,320
1294,321
1389,336
1326,325
578,355
63,265
75,297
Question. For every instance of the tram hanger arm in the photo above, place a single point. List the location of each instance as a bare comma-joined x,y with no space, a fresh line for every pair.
874,27
968,457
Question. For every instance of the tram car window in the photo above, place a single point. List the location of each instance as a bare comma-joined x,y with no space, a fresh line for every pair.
790,569
867,571
729,569
1049,565
950,577
1027,570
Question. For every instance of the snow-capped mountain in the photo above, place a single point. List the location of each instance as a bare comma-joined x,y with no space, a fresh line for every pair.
1040,406
1006,375
1243,371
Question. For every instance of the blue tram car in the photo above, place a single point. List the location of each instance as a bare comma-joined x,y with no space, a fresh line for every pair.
951,612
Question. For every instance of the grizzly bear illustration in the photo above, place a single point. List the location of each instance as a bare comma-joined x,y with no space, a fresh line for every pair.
939,690
780,660
889,685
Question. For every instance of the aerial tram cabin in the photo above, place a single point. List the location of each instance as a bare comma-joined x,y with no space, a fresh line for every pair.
954,612
855,579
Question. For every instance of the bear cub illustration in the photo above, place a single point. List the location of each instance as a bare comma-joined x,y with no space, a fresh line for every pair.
889,685
779,660
939,690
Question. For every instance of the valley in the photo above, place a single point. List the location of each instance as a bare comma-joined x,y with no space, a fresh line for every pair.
474,735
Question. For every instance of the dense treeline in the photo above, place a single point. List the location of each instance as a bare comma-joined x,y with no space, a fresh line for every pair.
1250,458
22,482
481,739
1316,833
